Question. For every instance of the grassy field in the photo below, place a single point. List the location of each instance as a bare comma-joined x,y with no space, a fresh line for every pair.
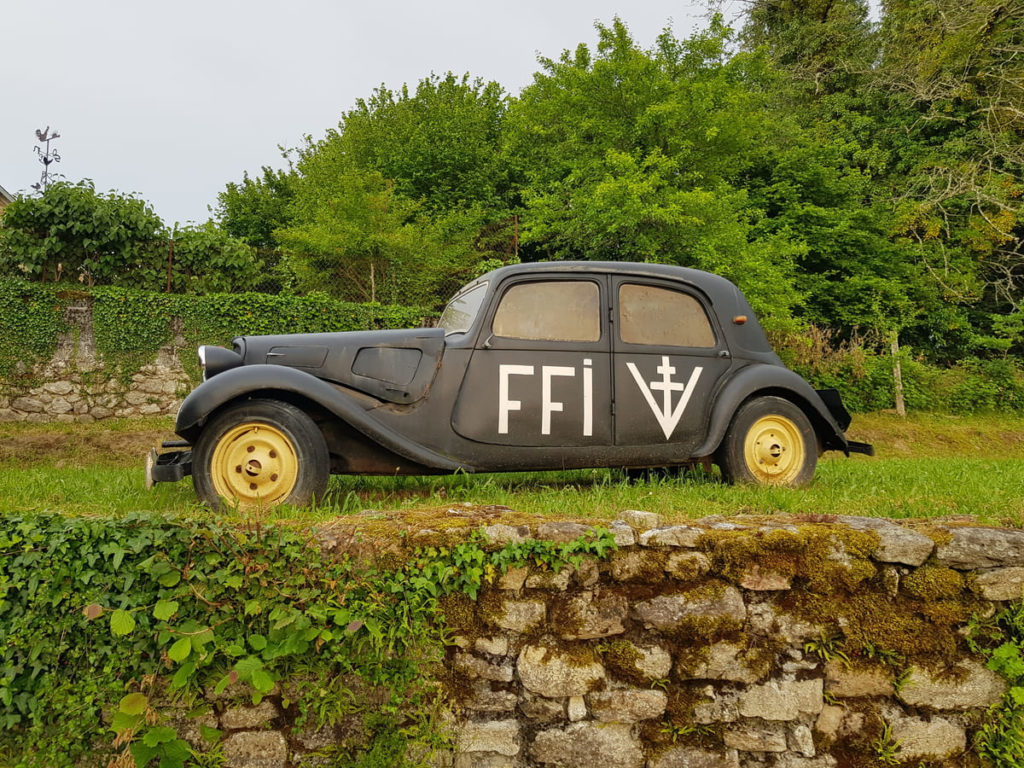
927,466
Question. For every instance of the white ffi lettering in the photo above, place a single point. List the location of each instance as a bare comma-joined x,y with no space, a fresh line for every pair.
588,399
504,404
548,406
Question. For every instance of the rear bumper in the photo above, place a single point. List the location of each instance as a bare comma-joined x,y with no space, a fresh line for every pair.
167,467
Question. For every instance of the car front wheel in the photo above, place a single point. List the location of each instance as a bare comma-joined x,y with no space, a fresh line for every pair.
769,442
258,454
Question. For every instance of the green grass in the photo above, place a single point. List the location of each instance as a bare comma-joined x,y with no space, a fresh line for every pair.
991,489
928,466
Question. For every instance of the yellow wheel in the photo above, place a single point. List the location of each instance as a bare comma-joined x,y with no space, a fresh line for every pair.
258,454
774,450
256,464
769,442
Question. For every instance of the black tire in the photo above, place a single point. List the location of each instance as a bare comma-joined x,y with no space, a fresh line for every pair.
769,442
259,454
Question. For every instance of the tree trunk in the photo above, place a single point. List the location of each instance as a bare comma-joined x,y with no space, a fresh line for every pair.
897,373
373,284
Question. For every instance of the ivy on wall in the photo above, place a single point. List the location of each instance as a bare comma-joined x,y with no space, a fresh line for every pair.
31,317
122,616
129,326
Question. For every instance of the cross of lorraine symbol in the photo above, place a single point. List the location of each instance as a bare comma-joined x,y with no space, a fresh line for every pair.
667,416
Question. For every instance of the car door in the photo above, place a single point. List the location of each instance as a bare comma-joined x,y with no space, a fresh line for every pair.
540,373
669,356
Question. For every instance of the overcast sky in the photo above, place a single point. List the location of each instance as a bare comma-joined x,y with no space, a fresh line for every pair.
171,100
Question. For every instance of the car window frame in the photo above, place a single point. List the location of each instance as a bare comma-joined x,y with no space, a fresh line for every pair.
491,340
619,344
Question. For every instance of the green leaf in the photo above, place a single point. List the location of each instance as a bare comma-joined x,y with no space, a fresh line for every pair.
210,735
169,579
122,722
180,650
261,681
133,704
164,609
121,622
181,677
252,607
159,735
258,642
175,754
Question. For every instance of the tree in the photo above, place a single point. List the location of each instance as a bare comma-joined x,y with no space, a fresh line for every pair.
633,155
252,209
206,259
71,232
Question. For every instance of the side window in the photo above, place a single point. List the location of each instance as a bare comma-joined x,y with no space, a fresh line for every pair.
565,310
662,317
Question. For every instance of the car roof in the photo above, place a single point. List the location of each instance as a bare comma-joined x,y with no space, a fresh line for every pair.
717,288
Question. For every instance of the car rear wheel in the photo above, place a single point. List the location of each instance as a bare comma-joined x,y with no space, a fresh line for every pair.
769,442
258,454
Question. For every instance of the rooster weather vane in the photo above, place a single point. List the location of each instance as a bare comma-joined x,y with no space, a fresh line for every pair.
46,157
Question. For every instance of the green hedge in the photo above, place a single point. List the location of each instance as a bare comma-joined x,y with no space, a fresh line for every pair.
130,326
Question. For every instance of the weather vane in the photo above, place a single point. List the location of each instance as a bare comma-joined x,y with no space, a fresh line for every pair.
46,157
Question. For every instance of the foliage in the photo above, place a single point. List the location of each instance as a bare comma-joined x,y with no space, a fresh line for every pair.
31,316
71,231
208,260
133,614
1001,638
252,209
130,326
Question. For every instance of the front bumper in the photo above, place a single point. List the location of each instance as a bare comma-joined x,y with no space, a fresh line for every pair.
169,466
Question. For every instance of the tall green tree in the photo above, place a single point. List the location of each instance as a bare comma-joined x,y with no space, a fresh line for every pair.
633,154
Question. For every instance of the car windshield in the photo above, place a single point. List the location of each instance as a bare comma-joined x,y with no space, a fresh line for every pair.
458,316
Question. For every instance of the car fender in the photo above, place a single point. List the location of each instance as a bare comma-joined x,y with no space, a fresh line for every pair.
762,379
239,382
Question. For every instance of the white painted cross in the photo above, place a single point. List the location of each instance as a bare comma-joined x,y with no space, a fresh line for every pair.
667,416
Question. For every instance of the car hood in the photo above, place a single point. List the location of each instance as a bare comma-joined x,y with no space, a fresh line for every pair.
396,366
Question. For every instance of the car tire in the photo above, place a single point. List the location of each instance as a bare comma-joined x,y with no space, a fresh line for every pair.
769,442
259,454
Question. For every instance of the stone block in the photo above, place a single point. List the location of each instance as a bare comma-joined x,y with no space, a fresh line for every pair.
757,579
58,387
255,749
694,757
540,709
765,619
672,536
549,579
973,548
665,612
586,745
721,661
554,673
634,565
829,721
520,615
483,699
641,521
845,683
500,736
477,668
622,533
588,615
928,740
506,534
782,699
756,737
493,646
973,685
27,405
576,709
687,566
801,740
564,532
513,579
627,706
485,760
896,544
249,717
1000,583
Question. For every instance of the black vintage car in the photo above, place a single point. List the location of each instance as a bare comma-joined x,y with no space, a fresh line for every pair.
532,367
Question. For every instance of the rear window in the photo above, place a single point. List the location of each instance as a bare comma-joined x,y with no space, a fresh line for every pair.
662,317
461,311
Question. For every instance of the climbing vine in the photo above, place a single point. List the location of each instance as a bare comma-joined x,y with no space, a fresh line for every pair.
31,317
127,616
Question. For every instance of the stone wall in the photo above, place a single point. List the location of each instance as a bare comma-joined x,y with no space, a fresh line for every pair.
76,385
725,643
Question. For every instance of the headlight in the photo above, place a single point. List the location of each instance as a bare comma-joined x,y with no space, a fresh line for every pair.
214,360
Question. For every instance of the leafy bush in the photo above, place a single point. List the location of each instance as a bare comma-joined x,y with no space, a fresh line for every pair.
125,616
31,317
